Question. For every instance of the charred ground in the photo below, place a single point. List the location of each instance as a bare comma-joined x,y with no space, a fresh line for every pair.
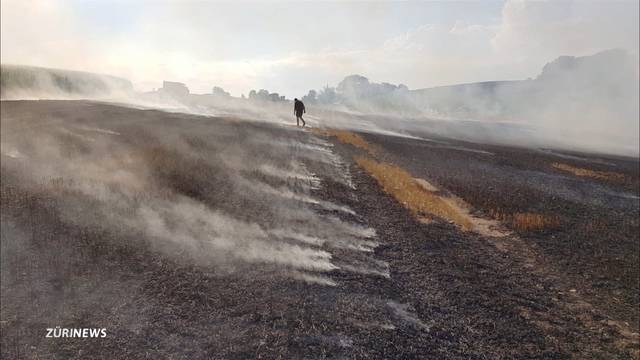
426,291
592,221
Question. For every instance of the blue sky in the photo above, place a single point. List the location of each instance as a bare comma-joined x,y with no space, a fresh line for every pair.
291,47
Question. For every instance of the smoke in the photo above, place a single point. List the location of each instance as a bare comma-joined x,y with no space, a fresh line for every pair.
24,82
214,44
204,191
585,103
575,103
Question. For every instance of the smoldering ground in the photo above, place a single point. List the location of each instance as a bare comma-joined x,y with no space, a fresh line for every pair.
211,190
200,237
84,183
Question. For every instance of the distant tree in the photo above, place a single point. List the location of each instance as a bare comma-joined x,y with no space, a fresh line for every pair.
263,95
357,92
328,95
218,91
311,97
354,86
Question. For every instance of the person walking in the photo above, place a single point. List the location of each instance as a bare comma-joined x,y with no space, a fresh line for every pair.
298,109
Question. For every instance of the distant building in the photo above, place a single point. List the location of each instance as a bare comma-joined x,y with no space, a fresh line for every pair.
176,89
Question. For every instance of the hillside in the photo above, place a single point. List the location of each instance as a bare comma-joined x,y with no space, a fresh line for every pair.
605,84
19,82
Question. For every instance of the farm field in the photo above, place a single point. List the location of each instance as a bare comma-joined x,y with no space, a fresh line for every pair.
199,237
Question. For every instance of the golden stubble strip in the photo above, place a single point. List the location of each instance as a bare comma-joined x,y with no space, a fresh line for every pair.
348,137
603,175
526,221
409,192
418,195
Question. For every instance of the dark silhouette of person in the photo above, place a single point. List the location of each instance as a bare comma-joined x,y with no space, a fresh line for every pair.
298,109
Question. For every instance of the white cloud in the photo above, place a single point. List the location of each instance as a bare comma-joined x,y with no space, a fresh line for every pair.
240,51
549,29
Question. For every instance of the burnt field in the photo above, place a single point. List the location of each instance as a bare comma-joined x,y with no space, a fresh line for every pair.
578,211
189,237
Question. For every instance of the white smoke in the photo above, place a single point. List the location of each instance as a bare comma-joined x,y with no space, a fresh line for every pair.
197,193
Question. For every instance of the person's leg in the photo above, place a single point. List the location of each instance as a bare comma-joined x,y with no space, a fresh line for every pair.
303,122
297,120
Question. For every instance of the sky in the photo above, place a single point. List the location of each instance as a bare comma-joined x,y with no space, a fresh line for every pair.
291,47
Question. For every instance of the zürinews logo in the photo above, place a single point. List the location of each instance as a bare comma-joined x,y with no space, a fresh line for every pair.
59,332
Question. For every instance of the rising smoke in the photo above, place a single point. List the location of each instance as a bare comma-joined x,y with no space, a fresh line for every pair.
586,103
200,190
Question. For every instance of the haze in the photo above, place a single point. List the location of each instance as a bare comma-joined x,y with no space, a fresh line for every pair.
291,47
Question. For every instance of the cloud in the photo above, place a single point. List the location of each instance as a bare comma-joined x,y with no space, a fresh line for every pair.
549,29
239,47
528,36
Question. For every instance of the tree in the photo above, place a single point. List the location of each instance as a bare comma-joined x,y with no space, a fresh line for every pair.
218,91
328,95
354,86
263,95
311,97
